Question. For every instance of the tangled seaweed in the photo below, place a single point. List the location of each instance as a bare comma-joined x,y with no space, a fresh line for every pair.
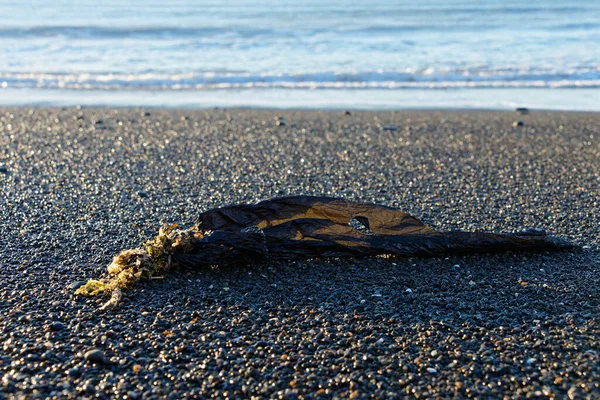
299,227
129,266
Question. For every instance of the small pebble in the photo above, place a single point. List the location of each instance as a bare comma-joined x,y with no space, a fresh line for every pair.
76,285
88,388
95,356
56,326
432,371
142,195
522,110
390,128
573,393
134,395
3,169
518,123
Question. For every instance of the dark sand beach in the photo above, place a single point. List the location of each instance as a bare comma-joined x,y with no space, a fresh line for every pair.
79,185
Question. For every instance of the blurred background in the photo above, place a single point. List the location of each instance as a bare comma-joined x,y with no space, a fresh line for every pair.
326,54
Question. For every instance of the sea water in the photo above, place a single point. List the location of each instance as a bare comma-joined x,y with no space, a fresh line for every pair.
309,53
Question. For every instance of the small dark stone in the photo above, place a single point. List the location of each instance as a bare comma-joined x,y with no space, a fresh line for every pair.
56,326
95,356
134,395
518,123
76,285
147,114
281,122
88,388
347,113
533,231
390,128
142,194
3,169
522,110
80,117
99,122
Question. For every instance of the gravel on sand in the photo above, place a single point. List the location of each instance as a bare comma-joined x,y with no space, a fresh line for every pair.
76,191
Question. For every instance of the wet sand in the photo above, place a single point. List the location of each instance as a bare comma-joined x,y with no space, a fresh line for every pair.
78,185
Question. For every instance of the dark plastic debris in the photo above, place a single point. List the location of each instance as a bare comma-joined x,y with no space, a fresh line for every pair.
301,227
295,228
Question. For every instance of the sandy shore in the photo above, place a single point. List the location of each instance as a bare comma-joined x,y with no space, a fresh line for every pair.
79,185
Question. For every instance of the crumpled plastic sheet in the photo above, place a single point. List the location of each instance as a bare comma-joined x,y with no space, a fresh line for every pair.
304,227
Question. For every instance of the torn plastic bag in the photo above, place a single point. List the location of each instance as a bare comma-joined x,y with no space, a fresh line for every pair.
302,227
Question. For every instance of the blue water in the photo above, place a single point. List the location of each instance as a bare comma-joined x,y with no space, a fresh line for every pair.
485,54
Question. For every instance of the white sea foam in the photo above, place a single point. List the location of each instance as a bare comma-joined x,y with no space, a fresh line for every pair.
428,78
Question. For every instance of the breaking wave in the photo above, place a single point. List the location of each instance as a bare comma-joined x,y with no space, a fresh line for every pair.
428,78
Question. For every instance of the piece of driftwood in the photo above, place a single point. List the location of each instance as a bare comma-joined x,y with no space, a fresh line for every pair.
301,227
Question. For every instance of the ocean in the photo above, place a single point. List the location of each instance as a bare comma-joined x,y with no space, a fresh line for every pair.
305,54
